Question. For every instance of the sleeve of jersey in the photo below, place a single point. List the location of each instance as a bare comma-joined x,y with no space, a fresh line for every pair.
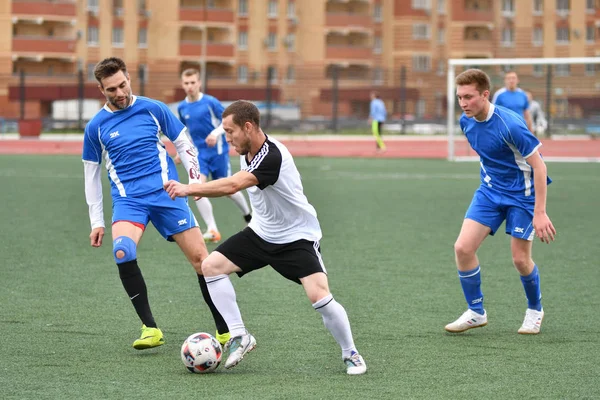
522,139
189,156
266,167
92,151
171,126
93,193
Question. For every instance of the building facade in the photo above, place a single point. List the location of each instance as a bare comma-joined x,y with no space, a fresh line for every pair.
48,48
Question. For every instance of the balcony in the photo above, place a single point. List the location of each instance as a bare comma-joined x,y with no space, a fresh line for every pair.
216,50
201,14
474,17
477,46
44,47
349,21
44,9
347,53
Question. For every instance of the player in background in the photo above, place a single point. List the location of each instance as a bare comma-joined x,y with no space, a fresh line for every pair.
125,133
201,114
513,189
538,118
284,233
377,116
514,98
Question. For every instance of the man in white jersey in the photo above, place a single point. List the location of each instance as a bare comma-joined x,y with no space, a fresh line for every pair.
513,188
284,233
126,134
201,114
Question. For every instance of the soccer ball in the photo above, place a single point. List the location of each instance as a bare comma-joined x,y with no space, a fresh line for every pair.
201,353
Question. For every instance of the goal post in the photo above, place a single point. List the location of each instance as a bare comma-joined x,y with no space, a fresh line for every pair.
568,90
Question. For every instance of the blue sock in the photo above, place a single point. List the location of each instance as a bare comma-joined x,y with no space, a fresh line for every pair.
531,284
471,286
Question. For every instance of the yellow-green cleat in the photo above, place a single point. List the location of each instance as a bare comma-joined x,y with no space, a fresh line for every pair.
223,338
151,337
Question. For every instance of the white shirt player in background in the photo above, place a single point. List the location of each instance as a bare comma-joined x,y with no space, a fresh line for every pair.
284,233
126,134
513,189
538,118
201,114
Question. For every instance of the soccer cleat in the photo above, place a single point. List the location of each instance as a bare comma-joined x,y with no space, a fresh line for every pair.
532,322
212,236
355,365
223,338
469,320
238,347
151,337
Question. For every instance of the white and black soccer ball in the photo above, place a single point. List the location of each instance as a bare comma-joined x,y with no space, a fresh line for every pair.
201,353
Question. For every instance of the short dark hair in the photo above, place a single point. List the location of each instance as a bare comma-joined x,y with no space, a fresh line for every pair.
109,67
243,111
476,76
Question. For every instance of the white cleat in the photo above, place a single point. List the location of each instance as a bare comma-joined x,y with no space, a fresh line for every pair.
238,347
355,365
532,322
469,320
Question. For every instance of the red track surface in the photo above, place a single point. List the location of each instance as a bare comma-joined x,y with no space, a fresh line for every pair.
343,147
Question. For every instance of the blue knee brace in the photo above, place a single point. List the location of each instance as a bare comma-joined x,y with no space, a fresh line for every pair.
127,245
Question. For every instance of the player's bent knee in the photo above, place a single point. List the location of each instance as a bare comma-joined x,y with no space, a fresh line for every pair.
124,249
214,264
463,249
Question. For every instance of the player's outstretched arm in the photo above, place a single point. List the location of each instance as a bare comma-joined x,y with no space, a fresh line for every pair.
217,188
541,222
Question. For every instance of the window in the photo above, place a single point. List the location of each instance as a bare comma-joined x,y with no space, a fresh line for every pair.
441,35
290,42
118,8
421,4
538,70
92,5
242,74
590,34
420,31
508,8
272,41
273,73
508,37
420,108
142,38
590,69
441,68
562,36
117,37
291,9
243,40
562,69
441,7
90,72
538,7
562,6
290,75
378,76
538,36
421,63
590,6
143,73
211,4
377,14
242,8
377,45
272,11
92,36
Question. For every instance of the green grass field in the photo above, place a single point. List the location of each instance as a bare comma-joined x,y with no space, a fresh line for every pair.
389,228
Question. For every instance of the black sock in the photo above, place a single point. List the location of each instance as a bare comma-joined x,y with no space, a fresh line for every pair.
248,217
134,285
219,321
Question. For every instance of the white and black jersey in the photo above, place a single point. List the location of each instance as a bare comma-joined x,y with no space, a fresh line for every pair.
281,212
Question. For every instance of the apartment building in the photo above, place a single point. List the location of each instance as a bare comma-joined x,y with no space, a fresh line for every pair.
399,47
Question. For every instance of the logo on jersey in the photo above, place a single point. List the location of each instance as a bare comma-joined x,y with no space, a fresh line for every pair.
182,222
519,230
187,116
114,134
194,171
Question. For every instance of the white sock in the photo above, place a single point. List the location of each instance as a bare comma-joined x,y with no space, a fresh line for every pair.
206,212
336,321
240,201
223,296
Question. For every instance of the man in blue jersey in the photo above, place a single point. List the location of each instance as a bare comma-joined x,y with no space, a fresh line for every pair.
201,114
513,189
514,98
126,134
377,116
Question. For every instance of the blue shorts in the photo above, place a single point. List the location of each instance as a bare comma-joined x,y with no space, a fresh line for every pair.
168,216
491,208
213,165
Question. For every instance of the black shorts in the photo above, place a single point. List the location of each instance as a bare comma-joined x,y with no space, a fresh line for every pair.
293,260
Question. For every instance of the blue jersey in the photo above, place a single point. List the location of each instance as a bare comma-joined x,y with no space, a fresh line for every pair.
129,141
513,100
502,142
201,117
377,110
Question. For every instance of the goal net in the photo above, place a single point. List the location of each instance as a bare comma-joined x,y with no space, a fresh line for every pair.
567,91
